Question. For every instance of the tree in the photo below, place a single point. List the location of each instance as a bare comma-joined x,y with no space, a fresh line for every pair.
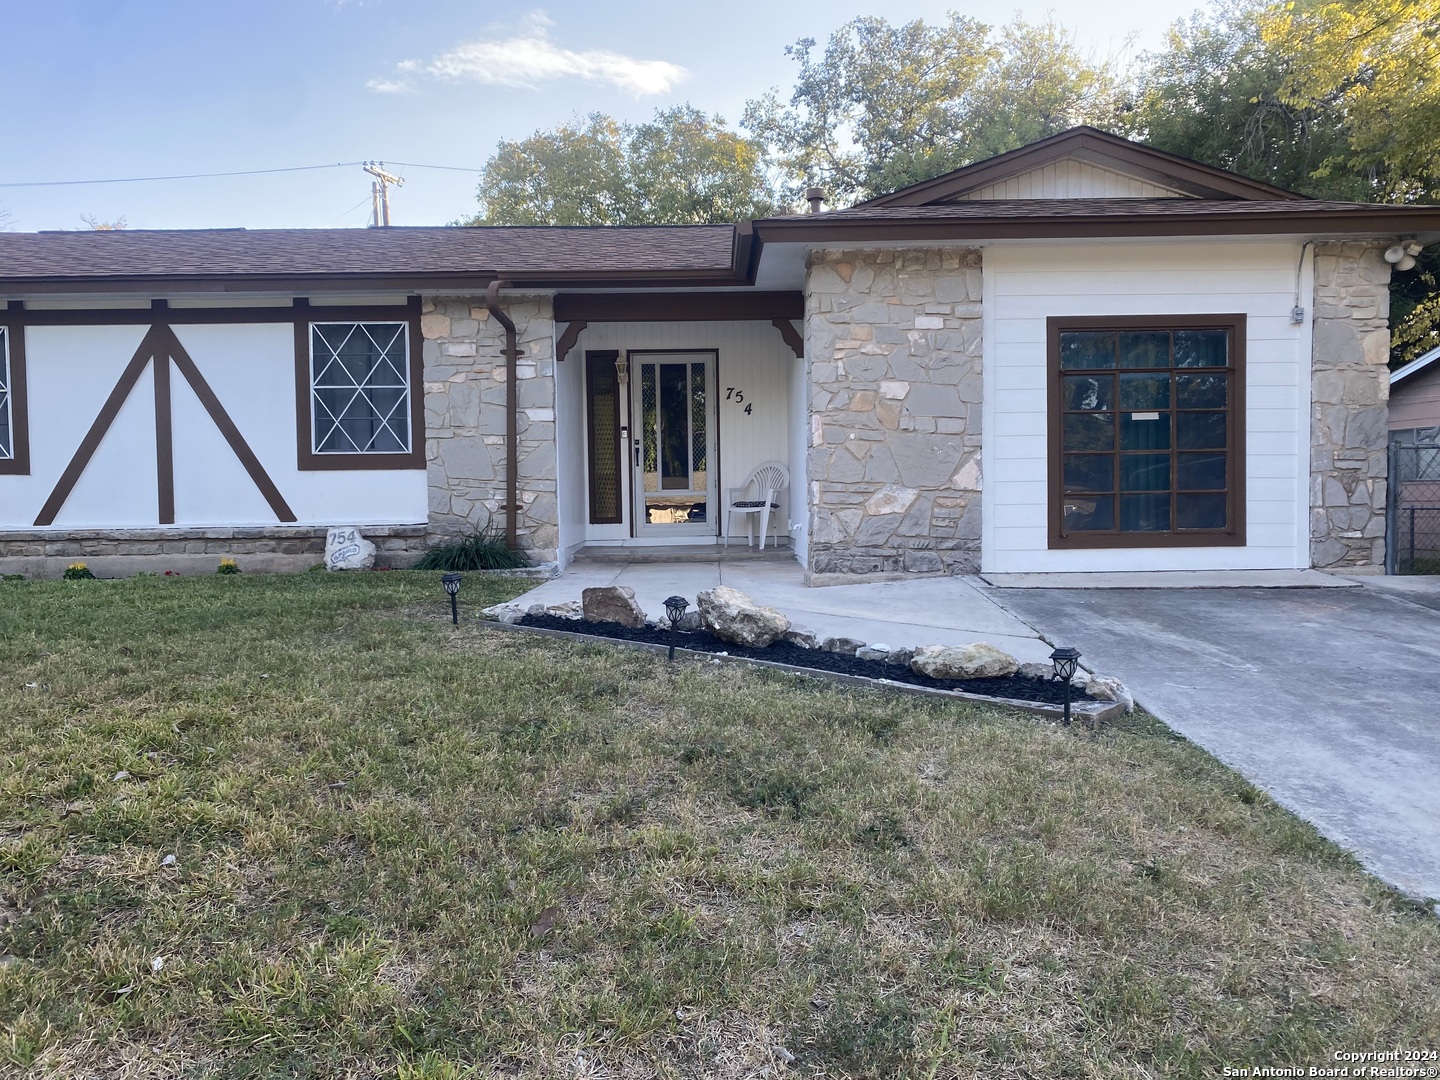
1214,95
94,223
1377,64
683,167
885,106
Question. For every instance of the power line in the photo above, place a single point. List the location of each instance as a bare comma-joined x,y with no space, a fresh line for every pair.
182,176
214,175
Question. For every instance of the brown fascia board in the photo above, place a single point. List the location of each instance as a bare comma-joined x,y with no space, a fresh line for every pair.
1097,147
320,283
687,306
1419,220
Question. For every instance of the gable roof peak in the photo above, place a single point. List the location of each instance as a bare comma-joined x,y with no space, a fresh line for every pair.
1096,147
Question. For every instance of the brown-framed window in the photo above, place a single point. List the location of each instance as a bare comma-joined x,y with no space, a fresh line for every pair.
14,419
359,387
1146,431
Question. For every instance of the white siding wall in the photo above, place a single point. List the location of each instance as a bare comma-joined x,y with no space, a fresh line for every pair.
1070,179
1026,284
798,510
752,356
251,368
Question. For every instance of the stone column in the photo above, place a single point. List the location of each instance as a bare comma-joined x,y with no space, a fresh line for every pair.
1349,389
465,418
893,343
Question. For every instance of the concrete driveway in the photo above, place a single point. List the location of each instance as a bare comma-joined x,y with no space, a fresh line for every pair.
1326,698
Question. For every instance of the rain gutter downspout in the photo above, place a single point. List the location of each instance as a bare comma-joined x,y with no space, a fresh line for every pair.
512,452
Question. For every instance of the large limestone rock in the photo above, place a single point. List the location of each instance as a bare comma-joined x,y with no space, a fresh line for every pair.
732,616
612,603
974,661
346,549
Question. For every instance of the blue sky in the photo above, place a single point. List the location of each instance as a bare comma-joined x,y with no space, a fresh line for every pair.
126,88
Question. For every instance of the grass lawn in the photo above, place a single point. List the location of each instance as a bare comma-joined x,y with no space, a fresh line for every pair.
303,827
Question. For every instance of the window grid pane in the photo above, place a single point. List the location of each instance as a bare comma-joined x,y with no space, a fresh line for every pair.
1144,448
359,390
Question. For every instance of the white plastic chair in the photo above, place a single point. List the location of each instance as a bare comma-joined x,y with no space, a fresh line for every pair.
759,495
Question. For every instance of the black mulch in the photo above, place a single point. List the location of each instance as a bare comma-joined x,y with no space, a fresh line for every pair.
1045,691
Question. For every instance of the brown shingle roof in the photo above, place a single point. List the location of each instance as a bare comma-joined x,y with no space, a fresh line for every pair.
419,253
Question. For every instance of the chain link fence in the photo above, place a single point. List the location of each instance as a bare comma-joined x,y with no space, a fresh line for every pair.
1412,544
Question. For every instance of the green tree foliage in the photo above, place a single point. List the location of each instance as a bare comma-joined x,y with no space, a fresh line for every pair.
1335,100
683,167
1214,94
885,106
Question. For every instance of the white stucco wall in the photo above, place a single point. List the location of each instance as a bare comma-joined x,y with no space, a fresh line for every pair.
71,371
1026,284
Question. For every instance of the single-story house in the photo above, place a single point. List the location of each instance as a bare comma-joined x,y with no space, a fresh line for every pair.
1082,355
1415,399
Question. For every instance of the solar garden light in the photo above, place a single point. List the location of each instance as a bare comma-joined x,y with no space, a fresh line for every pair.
675,610
1065,660
452,586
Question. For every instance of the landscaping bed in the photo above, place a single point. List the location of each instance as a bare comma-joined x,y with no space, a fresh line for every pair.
1013,687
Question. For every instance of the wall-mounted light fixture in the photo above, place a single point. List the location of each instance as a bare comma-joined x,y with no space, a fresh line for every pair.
1401,254
622,369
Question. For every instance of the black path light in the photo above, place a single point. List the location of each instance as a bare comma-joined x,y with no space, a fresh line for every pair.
452,586
675,610
1065,660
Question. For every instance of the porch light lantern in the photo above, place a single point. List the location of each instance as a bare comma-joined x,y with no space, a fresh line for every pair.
675,610
1065,660
452,586
622,369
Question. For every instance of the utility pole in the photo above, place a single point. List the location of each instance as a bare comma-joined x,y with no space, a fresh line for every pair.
380,192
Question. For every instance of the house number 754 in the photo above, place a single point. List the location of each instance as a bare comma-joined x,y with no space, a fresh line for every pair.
738,396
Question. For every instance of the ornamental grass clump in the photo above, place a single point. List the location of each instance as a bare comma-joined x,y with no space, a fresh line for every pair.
481,550
78,571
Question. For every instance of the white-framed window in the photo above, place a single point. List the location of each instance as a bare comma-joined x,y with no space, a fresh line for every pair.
7,407
360,393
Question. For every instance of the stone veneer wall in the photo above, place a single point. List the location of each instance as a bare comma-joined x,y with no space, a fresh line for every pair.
1349,387
465,418
893,342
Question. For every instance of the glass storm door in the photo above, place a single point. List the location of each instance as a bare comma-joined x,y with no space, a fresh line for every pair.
673,443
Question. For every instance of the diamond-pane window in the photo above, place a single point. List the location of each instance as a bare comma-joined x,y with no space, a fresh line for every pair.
359,389
7,437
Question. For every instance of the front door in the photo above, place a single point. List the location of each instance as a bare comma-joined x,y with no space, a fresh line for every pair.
673,443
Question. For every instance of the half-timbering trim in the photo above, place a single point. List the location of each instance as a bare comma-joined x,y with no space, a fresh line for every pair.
227,428
161,346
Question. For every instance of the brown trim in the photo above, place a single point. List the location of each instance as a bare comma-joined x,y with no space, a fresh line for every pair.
1376,220
18,463
597,360
91,442
679,306
200,316
1234,534
164,440
305,457
226,426
569,338
1096,147
791,335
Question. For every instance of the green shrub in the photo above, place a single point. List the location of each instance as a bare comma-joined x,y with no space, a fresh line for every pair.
228,566
481,550
78,571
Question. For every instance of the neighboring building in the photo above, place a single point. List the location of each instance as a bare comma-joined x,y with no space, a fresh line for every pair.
1081,355
1415,399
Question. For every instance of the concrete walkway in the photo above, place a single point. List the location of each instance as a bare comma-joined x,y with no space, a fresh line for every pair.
931,611
1326,698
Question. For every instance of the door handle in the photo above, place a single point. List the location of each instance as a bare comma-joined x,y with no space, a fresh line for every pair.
637,451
